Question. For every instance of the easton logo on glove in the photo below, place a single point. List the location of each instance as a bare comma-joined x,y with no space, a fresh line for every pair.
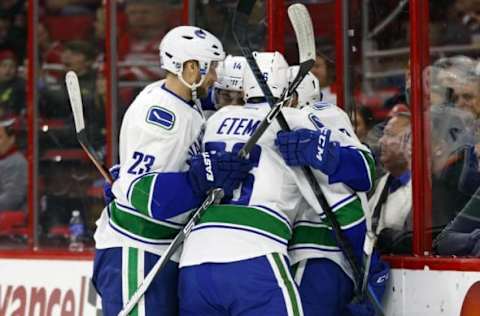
208,167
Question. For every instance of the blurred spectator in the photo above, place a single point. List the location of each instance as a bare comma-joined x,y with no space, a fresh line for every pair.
77,56
395,226
452,136
138,47
461,237
466,95
50,55
13,32
325,72
363,122
71,7
13,169
12,87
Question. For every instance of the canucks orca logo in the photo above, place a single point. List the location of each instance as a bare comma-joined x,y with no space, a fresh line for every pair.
200,33
161,117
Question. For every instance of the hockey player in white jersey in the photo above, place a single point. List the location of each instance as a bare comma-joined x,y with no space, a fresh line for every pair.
234,260
320,269
162,175
228,88
308,91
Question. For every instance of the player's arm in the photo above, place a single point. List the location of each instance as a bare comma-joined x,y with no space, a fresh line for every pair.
164,195
326,150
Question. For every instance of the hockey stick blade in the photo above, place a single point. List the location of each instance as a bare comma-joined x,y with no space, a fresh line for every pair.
73,89
303,27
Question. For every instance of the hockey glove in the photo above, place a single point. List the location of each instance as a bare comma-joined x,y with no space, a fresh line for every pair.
380,273
306,147
217,170
108,196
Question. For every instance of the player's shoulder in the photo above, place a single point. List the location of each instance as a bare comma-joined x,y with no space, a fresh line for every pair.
159,110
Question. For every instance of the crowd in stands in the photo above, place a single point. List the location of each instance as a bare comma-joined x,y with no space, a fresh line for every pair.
452,83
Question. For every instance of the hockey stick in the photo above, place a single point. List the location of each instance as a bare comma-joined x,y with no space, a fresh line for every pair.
213,197
73,89
371,237
240,31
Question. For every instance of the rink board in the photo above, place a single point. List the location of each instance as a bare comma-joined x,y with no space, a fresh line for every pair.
63,287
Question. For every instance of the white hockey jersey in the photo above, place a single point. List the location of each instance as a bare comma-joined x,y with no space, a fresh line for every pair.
312,234
260,218
160,131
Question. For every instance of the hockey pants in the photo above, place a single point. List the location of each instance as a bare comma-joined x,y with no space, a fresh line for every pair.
118,272
252,287
324,288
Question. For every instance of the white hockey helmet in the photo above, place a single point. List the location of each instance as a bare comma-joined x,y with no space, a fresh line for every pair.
309,89
184,43
274,68
230,73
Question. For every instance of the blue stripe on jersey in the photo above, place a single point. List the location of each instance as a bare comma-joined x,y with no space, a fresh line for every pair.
172,195
352,171
206,226
334,206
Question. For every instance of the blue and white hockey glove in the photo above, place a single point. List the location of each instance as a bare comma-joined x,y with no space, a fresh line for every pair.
108,196
379,275
306,147
217,170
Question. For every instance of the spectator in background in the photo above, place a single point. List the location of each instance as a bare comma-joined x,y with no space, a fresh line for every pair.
466,94
461,237
71,7
363,122
13,20
146,27
325,73
77,56
12,87
50,55
395,226
13,169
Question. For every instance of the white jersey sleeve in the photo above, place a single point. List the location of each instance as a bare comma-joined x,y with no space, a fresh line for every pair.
160,132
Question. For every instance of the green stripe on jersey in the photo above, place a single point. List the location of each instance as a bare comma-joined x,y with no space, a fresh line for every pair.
140,195
348,214
371,165
248,217
140,226
132,277
303,234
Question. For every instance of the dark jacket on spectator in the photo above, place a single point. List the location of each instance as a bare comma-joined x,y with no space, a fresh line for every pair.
12,96
13,180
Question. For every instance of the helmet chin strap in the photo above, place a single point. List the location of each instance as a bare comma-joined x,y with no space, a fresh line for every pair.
193,87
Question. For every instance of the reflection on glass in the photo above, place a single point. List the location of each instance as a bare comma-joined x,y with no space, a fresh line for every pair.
67,180
13,141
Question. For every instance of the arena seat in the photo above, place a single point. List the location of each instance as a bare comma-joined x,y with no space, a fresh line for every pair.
80,27
13,223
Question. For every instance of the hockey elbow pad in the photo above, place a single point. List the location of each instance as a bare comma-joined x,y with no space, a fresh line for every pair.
306,147
217,170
